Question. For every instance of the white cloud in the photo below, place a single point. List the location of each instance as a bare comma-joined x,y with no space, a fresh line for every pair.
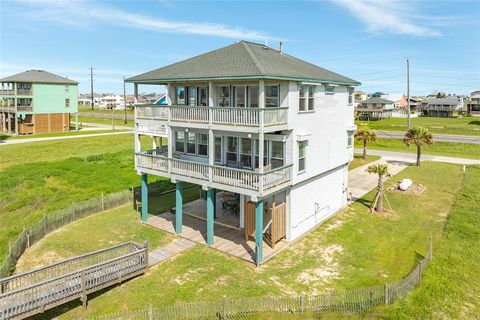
393,17
82,13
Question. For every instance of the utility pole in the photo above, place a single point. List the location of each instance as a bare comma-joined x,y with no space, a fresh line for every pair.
124,101
113,116
91,85
408,94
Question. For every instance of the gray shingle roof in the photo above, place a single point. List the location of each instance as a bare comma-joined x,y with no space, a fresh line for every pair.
38,76
242,60
376,100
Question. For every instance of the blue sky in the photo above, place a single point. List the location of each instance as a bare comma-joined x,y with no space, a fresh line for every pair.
366,40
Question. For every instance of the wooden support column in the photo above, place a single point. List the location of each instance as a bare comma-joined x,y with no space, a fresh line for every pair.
76,121
210,216
144,197
4,126
16,123
178,207
259,232
135,90
9,119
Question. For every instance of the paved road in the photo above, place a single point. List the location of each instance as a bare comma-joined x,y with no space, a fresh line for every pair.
412,157
436,136
29,140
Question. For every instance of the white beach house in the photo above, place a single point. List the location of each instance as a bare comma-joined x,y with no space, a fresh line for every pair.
270,131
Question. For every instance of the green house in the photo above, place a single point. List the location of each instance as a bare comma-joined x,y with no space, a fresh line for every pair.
37,101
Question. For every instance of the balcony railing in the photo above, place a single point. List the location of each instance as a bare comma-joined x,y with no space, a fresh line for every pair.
7,92
231,177
7,108
25,108
24,92
232,116
440,107
145,128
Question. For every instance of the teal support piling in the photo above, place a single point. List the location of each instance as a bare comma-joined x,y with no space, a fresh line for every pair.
144,197
178,208
210,215
215,203
259,232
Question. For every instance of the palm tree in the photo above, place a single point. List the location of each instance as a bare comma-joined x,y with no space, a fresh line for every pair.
418,136
366,136
381,169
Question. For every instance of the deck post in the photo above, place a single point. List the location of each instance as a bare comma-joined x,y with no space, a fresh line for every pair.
179,208
210,215
144,197
214,203
259,232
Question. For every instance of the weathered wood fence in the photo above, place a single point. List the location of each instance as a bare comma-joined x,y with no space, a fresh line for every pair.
57,219
26,294
350,302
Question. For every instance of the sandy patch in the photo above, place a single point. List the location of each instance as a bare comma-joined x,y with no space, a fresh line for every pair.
30,261
187,276
327,271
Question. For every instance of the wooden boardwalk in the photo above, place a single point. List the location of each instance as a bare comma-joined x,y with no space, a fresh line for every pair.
26,294
226,239
163,253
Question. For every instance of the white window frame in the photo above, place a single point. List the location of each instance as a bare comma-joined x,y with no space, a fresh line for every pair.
329,89
278,96
304,144
309,101
351,97
67,102
349,139
201,144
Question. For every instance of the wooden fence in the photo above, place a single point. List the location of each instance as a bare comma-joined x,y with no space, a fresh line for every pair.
349,302
33,292
57,219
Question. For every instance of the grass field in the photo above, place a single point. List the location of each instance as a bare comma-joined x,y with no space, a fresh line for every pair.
96,109
358,161
45,176
106,121
449,287
448,149
464,126
353,249
55,134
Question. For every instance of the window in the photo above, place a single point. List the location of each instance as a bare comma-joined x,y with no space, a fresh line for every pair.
329,89
239,96
232,149
218,149
350,95
223,96
67,89
301,98
257,152
246,153
349,139
179,141
67,103
192,96
271,96
180,95
191,141
253,97
202,96
304,103
301,155
276,158
202,144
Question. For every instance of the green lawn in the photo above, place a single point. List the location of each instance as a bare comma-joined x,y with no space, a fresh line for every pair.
359,161
96,109
448,149
45,176
465,126
353,249
54,134
118,122
449,287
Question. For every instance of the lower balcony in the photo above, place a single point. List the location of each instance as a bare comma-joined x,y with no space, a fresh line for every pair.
249,182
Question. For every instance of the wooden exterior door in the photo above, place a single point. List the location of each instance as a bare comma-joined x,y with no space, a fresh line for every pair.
249,219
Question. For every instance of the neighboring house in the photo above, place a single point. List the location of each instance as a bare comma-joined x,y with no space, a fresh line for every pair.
251,120
86,99
112,101
374,108
37,101
442,106
473,104
360,96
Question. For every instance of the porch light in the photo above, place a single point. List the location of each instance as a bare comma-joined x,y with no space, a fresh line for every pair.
249,136
186,129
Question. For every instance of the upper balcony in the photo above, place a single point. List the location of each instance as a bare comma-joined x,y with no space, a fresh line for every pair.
222,118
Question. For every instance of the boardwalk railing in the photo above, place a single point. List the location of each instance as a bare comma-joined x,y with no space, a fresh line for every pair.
57,219
33,292
200,172
234,116
350,302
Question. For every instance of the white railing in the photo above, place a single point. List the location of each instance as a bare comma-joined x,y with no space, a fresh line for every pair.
239,178
146,128
246,117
